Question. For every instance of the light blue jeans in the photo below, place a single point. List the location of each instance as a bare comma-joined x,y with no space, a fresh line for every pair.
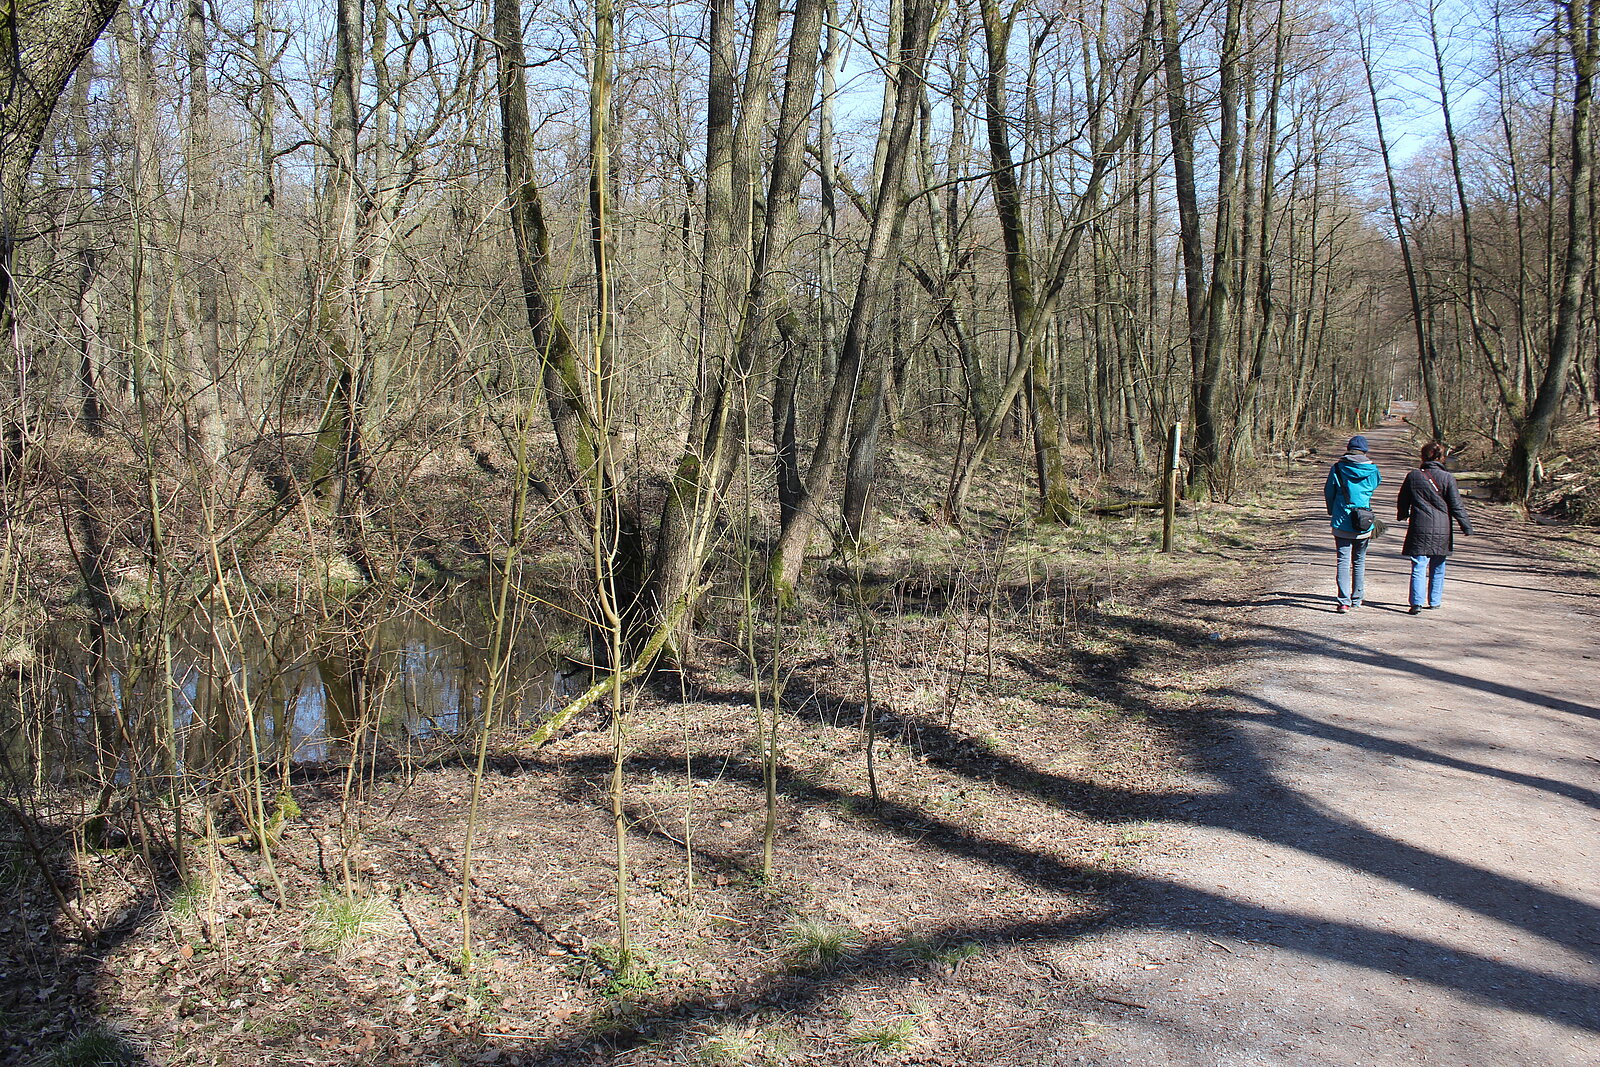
1352,572
1427,581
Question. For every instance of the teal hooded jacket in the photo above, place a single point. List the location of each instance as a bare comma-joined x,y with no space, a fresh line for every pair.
1351,482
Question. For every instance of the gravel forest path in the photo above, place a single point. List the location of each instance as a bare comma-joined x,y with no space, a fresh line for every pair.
1392,854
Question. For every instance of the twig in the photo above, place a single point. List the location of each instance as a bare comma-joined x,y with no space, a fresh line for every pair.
1124,1003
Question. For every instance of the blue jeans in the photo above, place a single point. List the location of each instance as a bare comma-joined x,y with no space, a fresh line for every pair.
1352,574
1427,580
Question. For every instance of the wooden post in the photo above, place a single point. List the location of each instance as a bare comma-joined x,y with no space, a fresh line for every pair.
1169,496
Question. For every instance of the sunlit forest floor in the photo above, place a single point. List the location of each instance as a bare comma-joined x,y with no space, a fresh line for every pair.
1571,489
1035,692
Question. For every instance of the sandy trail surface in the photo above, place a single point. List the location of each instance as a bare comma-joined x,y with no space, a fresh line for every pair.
1392,856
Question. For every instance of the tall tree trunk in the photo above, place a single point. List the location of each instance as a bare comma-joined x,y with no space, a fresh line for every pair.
719,434
337,458
264,116
894,27
1580,35
1427,358
1219,296
379,215
41,44
207,420
1510,394
749,139
827,297
602,236
1132,320
1055,497
718,290
785,428
1180,128
881,252
1032,306
944,229
1265,301
861,465
576,427
1525,334
134,68
862,452
91,346
595,512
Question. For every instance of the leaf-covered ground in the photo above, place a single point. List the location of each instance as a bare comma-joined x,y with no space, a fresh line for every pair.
1034,693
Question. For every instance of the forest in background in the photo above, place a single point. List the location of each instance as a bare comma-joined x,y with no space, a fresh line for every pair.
683,331
300,252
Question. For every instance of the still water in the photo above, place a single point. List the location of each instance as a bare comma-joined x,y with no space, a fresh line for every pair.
311,683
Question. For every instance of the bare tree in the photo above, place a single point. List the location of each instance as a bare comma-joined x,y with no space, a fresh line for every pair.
881,252
1427,358
43,43
1579,33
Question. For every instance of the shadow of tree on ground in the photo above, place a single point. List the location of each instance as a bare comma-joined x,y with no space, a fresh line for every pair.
1237,789
52,956
1252,800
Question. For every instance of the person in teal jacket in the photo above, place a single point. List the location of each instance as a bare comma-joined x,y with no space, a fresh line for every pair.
1350,484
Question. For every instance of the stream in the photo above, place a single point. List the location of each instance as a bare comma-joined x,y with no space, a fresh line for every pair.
309,683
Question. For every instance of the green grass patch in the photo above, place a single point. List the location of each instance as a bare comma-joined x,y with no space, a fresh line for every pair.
733,1045
96,1047
813,945
894,1036
187,901
341,921
951,954
727,1050
637,974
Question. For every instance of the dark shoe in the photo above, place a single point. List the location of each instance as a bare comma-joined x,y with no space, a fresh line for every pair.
1414,610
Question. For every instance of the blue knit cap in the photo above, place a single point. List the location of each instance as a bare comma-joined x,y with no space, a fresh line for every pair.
1357,444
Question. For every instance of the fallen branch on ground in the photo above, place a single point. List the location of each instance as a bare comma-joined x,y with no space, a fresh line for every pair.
1126,505
641,663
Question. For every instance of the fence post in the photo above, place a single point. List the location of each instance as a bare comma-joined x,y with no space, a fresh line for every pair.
1169,495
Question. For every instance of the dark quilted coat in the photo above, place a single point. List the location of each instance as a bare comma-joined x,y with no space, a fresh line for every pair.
1429,498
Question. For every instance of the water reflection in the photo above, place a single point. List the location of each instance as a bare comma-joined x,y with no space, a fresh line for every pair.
313,687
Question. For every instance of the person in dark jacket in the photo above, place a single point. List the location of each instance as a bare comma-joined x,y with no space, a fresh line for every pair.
1349,488
1429,498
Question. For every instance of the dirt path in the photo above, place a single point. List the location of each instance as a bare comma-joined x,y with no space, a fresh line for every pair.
1394,856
